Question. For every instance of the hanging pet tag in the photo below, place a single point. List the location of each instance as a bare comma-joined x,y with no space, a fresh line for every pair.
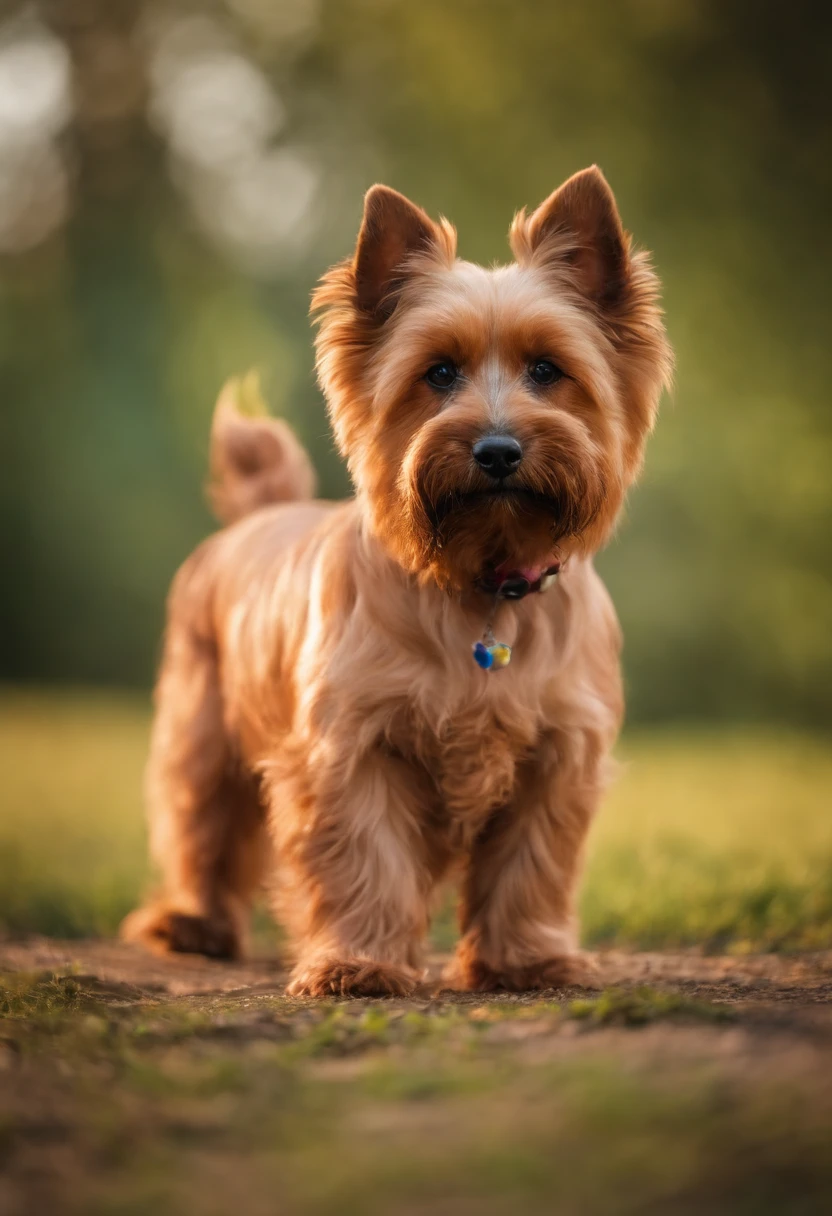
490,654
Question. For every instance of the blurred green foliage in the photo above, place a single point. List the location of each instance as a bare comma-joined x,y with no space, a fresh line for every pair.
716,840
712,122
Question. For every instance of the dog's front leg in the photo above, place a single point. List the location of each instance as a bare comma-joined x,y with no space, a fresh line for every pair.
518,901
354,875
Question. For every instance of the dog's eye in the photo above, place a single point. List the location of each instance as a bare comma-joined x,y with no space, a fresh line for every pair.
441,375
543,371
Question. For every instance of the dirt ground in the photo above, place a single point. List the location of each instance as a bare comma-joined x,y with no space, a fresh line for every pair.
791,990
705,1082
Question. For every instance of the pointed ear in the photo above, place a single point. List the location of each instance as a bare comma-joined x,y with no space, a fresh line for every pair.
579,226
392,230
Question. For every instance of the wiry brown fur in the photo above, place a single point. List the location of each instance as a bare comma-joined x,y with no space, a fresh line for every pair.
319,718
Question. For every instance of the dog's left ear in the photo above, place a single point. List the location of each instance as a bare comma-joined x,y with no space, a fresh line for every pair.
393,231
578,226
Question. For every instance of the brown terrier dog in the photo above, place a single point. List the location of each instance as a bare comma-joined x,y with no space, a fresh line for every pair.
319,712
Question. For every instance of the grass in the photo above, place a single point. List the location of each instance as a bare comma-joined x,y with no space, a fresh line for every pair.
72,838
722,840
643,1005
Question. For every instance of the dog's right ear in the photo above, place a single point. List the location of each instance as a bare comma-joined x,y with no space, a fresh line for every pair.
393,232
578,226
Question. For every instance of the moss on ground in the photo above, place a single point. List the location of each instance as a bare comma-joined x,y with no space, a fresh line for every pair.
132,1103
642,1005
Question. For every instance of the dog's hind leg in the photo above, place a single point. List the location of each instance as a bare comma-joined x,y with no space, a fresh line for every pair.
206,823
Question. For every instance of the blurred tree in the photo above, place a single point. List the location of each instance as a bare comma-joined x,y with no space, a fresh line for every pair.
174,177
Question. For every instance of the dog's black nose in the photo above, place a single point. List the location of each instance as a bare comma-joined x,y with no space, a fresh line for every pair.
498,455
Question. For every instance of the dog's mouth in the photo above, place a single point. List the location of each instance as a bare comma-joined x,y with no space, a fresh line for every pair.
467,501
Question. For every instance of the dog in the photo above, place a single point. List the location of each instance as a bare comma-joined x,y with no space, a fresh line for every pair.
359,700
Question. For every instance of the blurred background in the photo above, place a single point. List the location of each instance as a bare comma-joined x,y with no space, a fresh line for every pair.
175,176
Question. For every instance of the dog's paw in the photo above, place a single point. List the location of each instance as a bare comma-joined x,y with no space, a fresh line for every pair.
351,977
563,971
164,931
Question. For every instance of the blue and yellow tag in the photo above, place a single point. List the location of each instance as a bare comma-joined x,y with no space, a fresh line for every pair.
493,657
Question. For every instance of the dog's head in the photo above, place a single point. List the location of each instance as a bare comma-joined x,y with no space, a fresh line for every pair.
492,419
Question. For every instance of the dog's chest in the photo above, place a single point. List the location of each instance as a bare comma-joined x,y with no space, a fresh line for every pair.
473,760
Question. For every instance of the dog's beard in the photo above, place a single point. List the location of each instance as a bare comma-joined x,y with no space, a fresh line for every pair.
471,531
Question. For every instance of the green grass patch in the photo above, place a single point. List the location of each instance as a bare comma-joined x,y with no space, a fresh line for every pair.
640,1006
28,996
715,840
72,837
721,840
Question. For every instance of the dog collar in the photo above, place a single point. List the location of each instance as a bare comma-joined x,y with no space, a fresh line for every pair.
504,584
512,583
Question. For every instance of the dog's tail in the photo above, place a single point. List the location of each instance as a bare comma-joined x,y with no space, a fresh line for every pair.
255,459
